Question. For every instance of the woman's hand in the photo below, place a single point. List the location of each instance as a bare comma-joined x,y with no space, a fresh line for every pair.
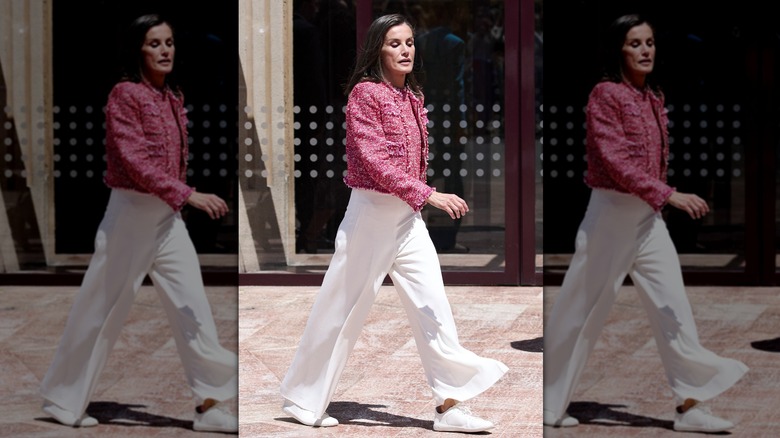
211,204
689,203
451,204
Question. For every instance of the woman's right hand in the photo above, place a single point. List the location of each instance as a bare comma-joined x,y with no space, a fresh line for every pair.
449,203
689,203
211,204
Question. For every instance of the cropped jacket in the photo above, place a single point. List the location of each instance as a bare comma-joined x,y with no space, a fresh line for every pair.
628,142
380,154
146,142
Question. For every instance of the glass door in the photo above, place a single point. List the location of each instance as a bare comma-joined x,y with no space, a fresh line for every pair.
481,104
710,71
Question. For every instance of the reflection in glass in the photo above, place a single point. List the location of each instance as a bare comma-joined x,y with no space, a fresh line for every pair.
206,68
460,61
708,130
323,52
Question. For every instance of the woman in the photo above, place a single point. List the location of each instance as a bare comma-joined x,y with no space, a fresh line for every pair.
142,233
382,234
623,233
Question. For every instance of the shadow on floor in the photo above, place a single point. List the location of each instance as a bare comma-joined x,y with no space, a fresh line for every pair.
360,414
119,414
367,415
609,415
771,345
535,345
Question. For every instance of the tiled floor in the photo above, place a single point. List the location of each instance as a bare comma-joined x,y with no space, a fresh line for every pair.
383,392
623,391
142,391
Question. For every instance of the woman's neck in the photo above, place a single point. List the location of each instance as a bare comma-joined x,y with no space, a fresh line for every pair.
638,81
398,81
156,81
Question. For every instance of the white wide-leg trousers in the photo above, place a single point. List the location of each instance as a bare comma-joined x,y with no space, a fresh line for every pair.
139,234
621,235
381,235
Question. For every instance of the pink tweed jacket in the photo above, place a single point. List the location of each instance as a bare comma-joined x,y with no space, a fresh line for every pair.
627,142
146,145
380,156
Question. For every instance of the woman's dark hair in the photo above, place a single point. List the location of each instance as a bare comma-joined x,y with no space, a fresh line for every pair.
613,50
132,60
368,65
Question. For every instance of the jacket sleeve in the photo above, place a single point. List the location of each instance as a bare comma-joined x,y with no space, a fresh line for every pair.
369,147
138,154
607,139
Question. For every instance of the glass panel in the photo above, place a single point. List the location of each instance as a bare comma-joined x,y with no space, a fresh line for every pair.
460,55
324,42
206,65
466,131
708,128
19,224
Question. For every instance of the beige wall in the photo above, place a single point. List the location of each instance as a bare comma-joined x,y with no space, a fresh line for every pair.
265,124
25,60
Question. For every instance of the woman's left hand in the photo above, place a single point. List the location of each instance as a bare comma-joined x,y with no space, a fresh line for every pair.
451,204
211,204
689,203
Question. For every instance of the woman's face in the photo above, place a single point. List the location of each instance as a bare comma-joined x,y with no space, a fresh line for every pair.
157,52
398,54
638,53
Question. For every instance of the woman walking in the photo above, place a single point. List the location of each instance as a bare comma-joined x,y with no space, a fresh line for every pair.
623,233
143,233
382,234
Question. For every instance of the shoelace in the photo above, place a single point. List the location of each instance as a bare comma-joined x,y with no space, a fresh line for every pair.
463,409
222,407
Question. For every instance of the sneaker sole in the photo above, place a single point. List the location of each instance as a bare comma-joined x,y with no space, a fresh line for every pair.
701,429
86,421
561,426
292,414
460,429
214,429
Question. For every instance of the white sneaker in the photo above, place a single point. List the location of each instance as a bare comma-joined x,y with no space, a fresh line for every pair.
307,417
217,418
565,421
68,418
459,419
699,418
